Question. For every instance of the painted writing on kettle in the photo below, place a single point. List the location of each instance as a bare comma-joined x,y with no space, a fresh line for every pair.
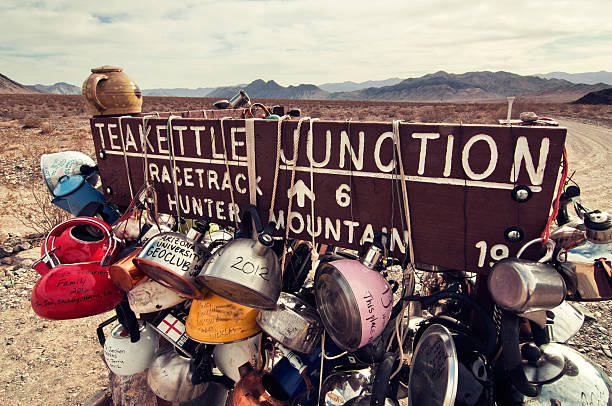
458,178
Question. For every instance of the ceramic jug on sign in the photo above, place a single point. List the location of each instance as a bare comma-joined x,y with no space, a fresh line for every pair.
109,92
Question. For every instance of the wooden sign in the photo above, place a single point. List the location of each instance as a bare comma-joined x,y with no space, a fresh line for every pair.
459,179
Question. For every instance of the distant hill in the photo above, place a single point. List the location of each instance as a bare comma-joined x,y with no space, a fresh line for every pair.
352,86
470,86
271,90
589,78
179,92
58,88
603,96
8,85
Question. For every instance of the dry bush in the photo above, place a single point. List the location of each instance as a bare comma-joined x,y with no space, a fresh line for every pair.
31,122
39,214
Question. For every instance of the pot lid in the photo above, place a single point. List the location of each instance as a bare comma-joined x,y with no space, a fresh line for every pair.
68,184
106,68
435,369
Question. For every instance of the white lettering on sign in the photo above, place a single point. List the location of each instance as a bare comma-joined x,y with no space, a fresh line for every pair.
498,251
342,197
465,159
210,153
345,146
302,192
310,154
112,136
130,141
161,138
100,126
213,146
180,129
449,156
424,137
522,153
196,134
195,205
235,143
391,165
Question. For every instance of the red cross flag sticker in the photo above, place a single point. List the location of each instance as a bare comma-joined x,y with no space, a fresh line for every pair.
172,327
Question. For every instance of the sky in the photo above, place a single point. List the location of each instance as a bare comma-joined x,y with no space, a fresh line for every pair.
170,44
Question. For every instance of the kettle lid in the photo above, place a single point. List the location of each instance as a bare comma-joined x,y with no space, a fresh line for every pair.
106,69
68,184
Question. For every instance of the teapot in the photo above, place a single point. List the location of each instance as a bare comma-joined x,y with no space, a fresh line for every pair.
109,92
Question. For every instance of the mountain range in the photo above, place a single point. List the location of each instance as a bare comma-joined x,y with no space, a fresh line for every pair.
589,78
436,87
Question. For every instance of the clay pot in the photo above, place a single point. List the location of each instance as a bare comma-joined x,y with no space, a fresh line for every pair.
109,92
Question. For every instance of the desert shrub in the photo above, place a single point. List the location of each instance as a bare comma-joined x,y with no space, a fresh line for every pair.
31,122
40,214
47,128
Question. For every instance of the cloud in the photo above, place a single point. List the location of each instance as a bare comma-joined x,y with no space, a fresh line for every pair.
210,43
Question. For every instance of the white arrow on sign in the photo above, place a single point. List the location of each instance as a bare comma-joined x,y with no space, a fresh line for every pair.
302,191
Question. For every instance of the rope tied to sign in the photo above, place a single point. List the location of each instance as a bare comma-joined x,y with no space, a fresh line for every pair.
231,188
296,145
400,333
279,131
314,255
125,159
173,166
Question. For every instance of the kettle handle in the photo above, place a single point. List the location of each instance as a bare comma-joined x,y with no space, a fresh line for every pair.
250,218
94,91
100,330
60,228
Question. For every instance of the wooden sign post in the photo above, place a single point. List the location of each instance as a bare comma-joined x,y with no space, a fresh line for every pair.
459,179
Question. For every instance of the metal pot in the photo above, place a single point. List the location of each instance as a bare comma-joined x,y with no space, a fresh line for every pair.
215,320
174,260
353,300
294,323
340,387
246,271
170,377
124,357
229,357
73,194
149,296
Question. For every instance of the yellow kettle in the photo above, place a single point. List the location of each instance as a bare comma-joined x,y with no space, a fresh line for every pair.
109,92
215,320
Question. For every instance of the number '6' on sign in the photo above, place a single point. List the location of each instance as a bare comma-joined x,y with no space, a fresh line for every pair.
343,198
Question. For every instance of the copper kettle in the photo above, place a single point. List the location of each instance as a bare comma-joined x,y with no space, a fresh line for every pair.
250,390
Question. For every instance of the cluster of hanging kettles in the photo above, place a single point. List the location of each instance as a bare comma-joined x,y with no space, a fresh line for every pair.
211,293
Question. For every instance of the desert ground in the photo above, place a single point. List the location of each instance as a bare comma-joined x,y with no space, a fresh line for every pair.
60,362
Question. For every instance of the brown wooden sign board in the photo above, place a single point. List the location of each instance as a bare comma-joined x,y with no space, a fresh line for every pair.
459,179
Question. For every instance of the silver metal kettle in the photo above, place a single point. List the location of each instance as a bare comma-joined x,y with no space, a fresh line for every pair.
246,270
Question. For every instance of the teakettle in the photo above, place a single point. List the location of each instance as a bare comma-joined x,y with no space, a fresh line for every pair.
73,290
246,271
124,357
174,259
109,91
65,163
170,376
148,296
77,240
216,320
353,300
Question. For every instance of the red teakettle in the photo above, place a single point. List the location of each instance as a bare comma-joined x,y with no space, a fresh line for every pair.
74,290
77,240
